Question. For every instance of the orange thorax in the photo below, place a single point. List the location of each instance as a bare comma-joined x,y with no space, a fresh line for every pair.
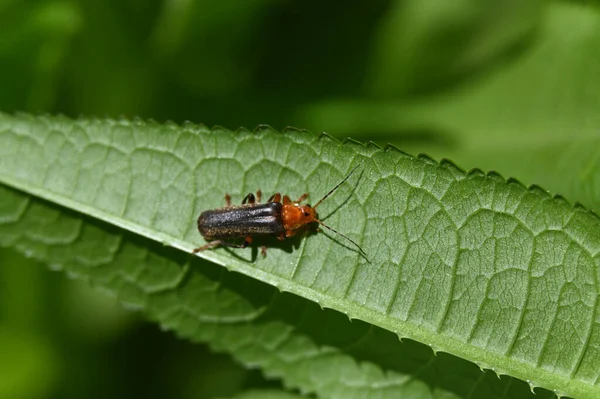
295,216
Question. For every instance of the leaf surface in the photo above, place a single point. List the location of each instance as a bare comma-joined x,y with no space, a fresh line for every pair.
316,351
534,119
467,263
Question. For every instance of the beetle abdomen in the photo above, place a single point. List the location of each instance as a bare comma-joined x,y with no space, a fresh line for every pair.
241,221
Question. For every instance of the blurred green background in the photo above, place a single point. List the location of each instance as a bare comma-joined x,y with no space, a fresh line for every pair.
489,84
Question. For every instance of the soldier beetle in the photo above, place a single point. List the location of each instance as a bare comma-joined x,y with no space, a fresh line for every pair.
279,216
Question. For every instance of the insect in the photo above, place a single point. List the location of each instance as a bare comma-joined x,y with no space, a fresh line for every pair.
279,216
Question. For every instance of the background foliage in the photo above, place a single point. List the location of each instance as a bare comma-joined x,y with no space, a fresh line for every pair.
511,86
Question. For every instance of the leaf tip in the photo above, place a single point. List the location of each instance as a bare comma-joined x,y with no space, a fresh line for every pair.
427,159
242,130
496,176
560,394
348,316
327,137
475,172
219,129
449,164
389,147
435,349
169,123
292,129
264,128
495,371
349,141
318,302
484,367
374,146
534,188
278,287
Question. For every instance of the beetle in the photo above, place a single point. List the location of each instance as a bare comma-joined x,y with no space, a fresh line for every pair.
279,216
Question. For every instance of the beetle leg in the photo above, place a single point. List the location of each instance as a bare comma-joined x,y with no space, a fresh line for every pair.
263,251
247,241
249,199
207,246
275,198
228,199
286,200
258,195
281,236
302,198
289,233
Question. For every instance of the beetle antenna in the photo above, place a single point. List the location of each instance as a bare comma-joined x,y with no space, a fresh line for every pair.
347,238
335,188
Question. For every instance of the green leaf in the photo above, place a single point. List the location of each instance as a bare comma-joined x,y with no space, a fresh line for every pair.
539,126
187,31
430,45
317,351
33,47
536,118
467,263
26,357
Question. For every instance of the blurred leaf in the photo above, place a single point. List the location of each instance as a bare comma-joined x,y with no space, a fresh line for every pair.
318,49
234,65
548,94
28,365
427,45
469,264
109,69
217,375
212,48
33,45
109,320
538,120
535,118
21,291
